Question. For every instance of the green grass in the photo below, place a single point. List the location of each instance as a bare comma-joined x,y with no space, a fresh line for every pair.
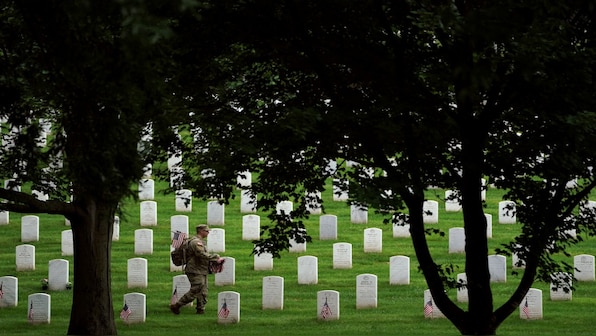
399,307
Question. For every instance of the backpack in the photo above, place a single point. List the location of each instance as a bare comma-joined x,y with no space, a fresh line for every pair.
178,255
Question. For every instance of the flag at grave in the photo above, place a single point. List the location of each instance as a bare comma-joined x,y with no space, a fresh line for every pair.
428,308
526,309
224,311
1,291
125,313
30,315
178,239
326,311
216,266
174,298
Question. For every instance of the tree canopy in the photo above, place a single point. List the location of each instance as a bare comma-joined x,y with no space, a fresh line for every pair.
418,94
415,93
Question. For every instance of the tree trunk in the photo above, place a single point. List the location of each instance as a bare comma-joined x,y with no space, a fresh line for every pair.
92,310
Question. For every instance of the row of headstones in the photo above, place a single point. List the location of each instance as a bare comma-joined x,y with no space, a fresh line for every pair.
399,269
307,269
273,298
228,303
529,309
328,302
358,213
342,254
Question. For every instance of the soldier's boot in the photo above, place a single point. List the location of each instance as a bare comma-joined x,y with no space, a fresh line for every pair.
200,310
175,308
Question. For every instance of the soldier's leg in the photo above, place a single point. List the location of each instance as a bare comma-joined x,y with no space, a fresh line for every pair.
202,296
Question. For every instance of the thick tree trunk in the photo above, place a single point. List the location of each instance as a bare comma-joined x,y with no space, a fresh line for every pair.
92,311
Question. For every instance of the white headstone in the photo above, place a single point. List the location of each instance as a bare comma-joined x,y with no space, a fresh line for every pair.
143,241
11,184
9,286
462,292
561,286
217,241
184,200
296,247
25,257
248,203
251,227
585,209
366,291
431,311
401,230
457,240
263,261
489,225
178,223
507,212
4,217
308,270
215,213
137,273
116,229
58,274
531,306
137,304
148,213
328,305
273,292
373,240
430,212
228,275
147,171
146,190
40,195
340,192
452,203
180,286
284,206
342,256
328,227
313,205
29,228
39,308
516,261
244,179
399,270
497,267
584,267
358,214
67,243
228,307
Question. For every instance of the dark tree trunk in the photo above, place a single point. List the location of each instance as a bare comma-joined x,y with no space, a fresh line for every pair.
92,310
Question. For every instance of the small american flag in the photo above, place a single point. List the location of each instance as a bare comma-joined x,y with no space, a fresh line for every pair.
30,315
526,309
223,311
1,291
125,313
326,310
216,266
174,298
178,239
428,308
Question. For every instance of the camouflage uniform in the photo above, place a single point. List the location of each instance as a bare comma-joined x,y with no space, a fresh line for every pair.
197,269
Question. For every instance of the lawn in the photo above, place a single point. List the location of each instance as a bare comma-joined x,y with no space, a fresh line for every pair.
399,310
